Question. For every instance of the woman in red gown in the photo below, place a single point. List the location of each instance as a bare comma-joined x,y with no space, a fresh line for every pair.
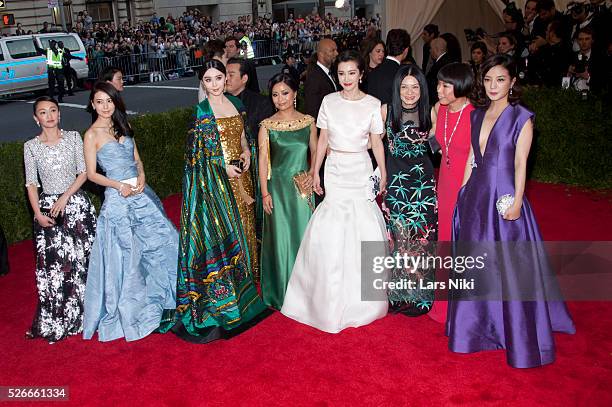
455,83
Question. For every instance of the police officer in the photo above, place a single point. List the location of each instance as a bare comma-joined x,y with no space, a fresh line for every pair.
290,67
68,71
55,69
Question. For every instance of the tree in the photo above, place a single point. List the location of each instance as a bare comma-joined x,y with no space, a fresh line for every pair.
321,8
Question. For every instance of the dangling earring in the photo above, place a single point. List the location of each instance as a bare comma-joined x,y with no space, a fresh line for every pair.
359,80
510,91
295,102
37,123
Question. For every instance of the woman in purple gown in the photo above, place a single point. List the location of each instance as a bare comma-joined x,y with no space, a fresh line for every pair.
515,302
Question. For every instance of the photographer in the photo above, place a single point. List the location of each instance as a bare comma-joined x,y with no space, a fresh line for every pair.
588,67
581,17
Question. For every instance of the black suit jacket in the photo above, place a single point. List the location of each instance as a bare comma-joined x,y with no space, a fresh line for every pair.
258,108
316,87
380,80
432,77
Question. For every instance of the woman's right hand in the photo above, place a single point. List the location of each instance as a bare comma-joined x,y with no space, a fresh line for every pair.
316,184
44,221
233,171
125,190
267,204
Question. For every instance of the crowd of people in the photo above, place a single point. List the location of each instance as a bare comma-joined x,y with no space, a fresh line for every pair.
551,47
282,200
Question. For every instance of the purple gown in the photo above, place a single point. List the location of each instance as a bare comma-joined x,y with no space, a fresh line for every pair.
522,306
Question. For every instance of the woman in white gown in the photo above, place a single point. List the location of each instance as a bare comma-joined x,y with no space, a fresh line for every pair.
324,290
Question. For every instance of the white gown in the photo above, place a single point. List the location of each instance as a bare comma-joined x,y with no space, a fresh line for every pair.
324,290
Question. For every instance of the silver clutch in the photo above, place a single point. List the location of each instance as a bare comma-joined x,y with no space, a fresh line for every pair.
504,203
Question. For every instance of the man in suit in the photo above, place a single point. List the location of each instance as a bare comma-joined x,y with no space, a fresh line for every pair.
258,107
588,66
380,80
319,83
429,33
232,50
440,58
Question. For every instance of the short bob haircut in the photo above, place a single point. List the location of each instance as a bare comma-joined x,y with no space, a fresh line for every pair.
108,73
460,76
506,61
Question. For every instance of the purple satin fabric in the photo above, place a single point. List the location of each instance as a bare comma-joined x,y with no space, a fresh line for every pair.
505,320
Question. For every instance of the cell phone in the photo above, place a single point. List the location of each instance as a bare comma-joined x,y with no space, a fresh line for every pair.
238,163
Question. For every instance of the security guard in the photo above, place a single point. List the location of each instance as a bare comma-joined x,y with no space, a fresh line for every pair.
245,41
69,73
55,69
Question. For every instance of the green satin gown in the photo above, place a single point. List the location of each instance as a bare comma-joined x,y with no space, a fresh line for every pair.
284,228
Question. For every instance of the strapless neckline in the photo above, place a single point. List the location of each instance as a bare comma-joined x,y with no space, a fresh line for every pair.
114,142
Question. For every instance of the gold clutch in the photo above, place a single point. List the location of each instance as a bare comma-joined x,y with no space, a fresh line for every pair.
305,193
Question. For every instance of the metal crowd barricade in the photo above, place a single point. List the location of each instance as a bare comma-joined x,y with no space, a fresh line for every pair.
176,62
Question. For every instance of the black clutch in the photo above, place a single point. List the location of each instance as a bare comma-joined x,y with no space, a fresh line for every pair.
59,219
238,163
433,144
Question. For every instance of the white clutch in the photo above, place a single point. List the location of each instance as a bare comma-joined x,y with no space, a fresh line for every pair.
131,181
504,203
373,185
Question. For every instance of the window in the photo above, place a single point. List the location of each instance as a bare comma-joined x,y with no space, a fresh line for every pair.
21,48
1,54
69,41
100,12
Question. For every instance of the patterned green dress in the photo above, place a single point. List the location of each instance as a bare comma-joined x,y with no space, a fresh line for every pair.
215,289
411,212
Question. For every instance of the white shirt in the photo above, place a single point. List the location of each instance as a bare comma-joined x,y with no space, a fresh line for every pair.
349,123
393,59
326,70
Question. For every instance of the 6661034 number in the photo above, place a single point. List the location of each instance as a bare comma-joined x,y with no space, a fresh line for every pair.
33,393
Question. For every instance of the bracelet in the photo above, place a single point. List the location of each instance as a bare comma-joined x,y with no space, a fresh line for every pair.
265,196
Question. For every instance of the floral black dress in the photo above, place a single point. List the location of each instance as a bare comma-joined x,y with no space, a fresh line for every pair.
62,251
411,212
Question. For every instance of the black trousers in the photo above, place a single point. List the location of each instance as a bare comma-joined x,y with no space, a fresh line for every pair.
4,265
56,75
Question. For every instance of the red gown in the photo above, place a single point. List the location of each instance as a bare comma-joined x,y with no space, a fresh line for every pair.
449,180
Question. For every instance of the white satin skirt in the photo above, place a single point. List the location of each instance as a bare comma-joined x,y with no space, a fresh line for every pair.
324,290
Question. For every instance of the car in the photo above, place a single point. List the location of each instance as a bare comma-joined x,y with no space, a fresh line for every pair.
22,69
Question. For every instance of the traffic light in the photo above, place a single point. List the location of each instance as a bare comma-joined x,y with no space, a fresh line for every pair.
8,19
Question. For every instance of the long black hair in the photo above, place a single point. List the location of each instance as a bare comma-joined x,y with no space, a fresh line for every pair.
396,100
119,118
506,61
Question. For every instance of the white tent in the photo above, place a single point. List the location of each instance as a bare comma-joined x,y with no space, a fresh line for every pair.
450,15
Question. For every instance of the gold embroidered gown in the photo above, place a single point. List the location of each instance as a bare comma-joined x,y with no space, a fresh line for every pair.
230,130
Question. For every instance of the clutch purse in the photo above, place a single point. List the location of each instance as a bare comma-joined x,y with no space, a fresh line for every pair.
374,185
433,144
304,193
504,203
59,219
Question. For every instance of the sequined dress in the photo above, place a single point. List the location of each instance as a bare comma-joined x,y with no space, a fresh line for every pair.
216,295
230,130
62,250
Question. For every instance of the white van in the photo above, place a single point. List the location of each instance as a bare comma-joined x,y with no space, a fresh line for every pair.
22,69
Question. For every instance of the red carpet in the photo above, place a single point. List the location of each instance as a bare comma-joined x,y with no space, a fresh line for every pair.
394,361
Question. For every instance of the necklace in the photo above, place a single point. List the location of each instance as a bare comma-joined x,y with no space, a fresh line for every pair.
410,109
447,143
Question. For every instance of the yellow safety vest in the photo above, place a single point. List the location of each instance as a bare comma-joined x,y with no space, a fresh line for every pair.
250,52
54,60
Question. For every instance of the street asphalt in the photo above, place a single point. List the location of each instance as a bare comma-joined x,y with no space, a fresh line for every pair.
16,122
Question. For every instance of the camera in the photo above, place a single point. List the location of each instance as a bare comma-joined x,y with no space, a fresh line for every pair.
577,8
473,36
581,65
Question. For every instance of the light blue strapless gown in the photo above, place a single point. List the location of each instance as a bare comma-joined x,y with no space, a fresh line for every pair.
132,267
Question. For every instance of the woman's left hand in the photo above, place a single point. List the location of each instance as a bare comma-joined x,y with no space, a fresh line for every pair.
59,206
513,212
140,184
383,184
245,157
